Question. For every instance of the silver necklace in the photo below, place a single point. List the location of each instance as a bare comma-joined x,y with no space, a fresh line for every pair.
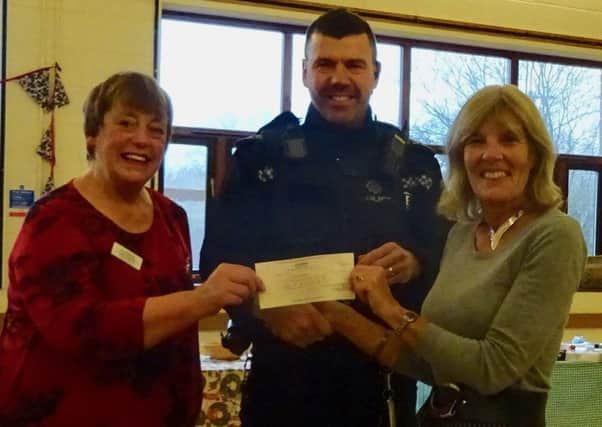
496,235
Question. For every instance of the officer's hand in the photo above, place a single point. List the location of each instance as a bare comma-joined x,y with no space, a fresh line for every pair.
300,325
332,310
400,264
229,284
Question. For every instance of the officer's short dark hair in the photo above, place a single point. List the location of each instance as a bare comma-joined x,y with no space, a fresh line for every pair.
131,89
339,23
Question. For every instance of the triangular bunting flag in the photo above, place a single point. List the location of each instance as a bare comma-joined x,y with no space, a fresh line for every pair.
60,97
37,85
49,185
45,149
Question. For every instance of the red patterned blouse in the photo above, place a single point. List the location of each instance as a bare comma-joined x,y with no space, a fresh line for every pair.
71,351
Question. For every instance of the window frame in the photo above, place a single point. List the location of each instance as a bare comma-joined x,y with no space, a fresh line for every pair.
564,165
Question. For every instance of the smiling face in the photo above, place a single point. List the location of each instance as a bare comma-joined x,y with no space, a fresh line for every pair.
498,163
129,146
340,75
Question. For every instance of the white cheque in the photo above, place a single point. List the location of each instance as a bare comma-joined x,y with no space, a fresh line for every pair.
305,280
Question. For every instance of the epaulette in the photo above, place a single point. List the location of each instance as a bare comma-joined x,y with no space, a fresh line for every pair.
386,132
417,148
260,154
269,136
286,133
284,136
402,152
279,124
250,146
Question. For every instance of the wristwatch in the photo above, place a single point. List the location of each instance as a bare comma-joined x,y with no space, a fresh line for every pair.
407,318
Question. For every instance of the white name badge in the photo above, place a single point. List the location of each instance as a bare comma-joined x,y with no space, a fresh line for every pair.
124,254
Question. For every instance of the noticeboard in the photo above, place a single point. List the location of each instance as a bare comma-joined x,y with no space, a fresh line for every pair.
20,199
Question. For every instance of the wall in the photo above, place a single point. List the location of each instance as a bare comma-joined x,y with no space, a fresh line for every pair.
90,39
94,38
574,17
577,18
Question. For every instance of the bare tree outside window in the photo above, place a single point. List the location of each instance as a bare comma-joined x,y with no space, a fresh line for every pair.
441,82
568,98
583,205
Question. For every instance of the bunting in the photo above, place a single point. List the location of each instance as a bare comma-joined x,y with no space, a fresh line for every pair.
45,87
37,85
46,147
59,96
49,184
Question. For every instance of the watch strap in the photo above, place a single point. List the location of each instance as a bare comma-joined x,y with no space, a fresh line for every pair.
406,319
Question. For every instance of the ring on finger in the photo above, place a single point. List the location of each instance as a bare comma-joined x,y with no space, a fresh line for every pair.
390,272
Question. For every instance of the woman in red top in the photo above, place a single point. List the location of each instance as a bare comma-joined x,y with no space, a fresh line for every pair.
101,326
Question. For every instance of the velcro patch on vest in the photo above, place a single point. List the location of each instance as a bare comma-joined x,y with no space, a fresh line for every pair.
411,182
266,174
375,192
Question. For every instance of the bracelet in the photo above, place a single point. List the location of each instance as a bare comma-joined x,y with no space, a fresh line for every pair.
381,344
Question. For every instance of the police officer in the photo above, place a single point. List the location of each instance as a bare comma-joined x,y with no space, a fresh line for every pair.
341,182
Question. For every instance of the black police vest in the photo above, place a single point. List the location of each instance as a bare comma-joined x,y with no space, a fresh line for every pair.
314,199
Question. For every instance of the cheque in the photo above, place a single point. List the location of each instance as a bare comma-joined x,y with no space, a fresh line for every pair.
305,280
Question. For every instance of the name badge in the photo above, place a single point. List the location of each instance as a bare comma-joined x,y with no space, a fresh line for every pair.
124,254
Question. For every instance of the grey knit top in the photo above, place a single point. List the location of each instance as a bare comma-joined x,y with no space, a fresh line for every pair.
496,319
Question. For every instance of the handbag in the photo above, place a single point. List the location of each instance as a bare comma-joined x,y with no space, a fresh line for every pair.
457,406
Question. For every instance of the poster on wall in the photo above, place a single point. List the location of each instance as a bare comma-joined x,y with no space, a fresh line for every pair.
19,201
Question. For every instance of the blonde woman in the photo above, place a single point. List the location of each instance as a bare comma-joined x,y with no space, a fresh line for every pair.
490,328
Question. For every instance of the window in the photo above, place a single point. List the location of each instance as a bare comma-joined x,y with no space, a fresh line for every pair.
440,84
299,96
185,181
231,84
583,203
228,90
569,98
581,176
386,98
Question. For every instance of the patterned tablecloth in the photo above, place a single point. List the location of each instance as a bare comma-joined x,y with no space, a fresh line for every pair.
221,395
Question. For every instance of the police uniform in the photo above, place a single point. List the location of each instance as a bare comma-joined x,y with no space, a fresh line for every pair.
315,189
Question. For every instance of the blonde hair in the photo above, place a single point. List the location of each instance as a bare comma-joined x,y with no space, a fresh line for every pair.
458,201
